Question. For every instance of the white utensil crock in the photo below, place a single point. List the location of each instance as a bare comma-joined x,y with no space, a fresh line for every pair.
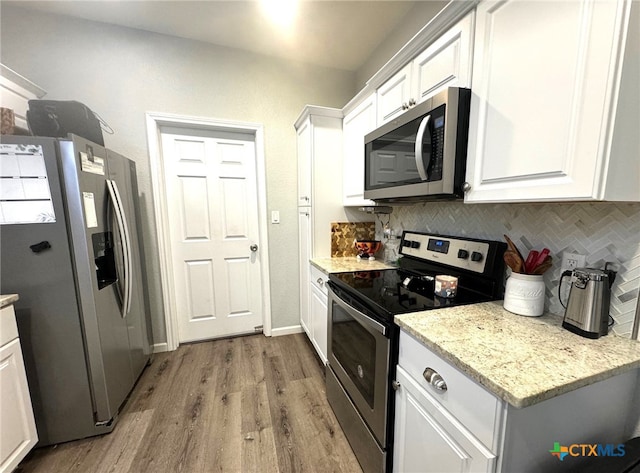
524,294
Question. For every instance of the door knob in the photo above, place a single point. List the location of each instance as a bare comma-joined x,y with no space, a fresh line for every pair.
254,247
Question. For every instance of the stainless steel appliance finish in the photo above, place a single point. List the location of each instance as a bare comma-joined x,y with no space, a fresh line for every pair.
421,154
587,311
363,339
82,314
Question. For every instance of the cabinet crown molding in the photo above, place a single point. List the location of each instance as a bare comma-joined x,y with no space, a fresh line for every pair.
21,81
309,110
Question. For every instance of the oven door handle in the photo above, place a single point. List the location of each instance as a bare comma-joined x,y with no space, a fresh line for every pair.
359,316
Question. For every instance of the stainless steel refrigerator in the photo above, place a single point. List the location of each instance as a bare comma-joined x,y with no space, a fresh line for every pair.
69,248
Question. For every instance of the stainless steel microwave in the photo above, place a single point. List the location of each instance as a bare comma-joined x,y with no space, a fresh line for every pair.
420,155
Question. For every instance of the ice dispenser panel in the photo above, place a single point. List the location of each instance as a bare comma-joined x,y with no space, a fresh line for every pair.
104,259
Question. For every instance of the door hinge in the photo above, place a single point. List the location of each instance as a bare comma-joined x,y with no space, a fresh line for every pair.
258,328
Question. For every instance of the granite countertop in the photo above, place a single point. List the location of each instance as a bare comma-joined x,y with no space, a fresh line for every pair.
7,299
522,360
348,263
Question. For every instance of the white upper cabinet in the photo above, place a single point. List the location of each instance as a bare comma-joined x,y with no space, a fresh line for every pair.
355,126
553,98
447,62
394,95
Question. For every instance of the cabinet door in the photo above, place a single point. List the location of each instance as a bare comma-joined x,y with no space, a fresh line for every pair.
304,163
445,63
356,125
18,431
393,96
304,253
319,321
429,439
543,73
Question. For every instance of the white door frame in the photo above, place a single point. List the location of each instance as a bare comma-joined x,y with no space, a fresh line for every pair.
155,120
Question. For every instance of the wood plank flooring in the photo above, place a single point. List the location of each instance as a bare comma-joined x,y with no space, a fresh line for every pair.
246,404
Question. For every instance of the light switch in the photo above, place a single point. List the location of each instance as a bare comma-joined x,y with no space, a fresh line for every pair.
275,216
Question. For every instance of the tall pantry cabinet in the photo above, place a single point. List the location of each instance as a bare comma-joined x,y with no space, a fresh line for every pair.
319,149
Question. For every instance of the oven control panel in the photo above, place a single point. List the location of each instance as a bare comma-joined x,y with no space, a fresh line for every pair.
456,252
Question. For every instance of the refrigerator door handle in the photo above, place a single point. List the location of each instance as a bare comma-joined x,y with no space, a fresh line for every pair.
125,239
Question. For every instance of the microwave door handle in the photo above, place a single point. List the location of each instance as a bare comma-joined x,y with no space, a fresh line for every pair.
422,169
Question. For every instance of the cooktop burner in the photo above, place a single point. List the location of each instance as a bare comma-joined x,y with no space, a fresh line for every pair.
397,291
476,263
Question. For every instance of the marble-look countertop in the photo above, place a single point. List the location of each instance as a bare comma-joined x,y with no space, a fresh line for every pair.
522,360
7,299
348,263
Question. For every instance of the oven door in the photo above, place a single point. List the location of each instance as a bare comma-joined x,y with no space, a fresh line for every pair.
359,355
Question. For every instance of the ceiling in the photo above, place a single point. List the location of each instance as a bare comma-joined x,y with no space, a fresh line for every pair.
340,34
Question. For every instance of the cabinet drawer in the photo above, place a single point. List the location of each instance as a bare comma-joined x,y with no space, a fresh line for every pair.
8,327
471,404
319,279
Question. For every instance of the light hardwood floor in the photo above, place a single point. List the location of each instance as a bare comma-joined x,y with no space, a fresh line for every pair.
246,404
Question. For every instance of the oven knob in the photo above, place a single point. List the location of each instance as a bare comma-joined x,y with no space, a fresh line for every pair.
415,244
476,256
463,254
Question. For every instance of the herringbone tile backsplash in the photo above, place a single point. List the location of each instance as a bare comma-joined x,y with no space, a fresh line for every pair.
603,232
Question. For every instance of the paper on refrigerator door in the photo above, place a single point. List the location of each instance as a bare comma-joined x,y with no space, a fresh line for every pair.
90,209
25,196
91,163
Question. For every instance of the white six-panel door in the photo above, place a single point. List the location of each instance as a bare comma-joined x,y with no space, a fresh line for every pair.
213,215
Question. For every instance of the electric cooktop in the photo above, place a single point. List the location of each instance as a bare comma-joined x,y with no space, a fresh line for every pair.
476,263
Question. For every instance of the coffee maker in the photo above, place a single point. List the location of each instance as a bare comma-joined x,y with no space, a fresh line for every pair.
587,310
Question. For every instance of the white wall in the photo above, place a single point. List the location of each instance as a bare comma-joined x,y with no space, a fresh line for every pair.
122,73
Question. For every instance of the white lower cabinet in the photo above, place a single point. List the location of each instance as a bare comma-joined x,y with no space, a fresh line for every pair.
17,425
465,428
429,439
318,312
441,429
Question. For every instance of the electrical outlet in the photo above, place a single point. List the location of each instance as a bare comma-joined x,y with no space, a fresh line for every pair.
572,260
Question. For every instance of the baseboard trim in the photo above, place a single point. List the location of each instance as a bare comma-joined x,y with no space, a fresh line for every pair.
277,332
160,347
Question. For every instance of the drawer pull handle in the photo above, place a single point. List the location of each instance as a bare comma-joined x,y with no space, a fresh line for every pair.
434,379
320,282
395,385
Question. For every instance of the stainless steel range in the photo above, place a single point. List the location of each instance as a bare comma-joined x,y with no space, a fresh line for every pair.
363,339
